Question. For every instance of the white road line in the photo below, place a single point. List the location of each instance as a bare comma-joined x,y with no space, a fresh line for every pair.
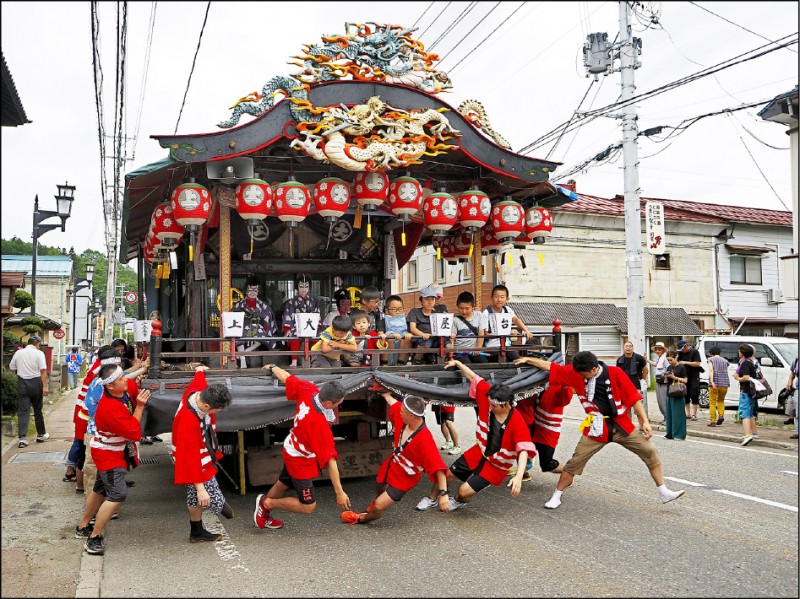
783,506
225,548
727,445
788,472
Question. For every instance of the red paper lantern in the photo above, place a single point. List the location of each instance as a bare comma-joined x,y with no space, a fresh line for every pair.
508,220
292,202
331,198
538,224
474,208
165,227
253,200
370,189
461,247
448,251
439,213
191,205
490,244
405,198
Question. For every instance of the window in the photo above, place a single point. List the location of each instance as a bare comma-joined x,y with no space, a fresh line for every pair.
439,270
662,262
745,270
413,280
466,273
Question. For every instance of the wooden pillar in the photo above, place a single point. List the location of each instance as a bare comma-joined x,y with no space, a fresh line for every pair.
224,277
242,477
477,272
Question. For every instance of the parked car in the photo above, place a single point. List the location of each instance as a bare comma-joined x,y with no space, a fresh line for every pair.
775,354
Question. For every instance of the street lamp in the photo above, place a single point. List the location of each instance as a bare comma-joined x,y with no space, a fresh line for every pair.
64,201
82,285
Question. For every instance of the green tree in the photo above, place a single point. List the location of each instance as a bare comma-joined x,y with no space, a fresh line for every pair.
16,247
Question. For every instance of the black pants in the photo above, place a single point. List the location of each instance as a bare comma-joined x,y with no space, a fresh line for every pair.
30,396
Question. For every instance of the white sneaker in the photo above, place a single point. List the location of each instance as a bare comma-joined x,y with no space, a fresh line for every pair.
553,503
455,451
42,438
454,505
448,445
668,495
747,440
22,443
426,503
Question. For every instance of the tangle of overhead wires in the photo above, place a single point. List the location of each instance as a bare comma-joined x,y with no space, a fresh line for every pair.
97,71
150,29
453,25
434,21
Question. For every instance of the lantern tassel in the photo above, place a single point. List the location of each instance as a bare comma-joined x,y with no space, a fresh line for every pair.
357,218
471,248
191,247
165,273
541,258
510,259
438,253
369,225
403,236
291,242
250,230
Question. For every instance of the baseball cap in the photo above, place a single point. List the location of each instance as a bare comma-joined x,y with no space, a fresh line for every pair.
682,343
427,292
438,289
34,339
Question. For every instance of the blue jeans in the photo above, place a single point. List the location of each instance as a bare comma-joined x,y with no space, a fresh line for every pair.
77,454
73,379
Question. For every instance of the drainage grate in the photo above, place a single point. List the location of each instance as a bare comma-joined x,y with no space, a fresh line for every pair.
150,461
38,456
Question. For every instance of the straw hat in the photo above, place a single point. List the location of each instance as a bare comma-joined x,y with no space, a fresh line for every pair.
658,344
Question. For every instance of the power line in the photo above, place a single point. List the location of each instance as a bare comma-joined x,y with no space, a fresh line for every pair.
486,38
574,113
419,37
454,24
419,18
194,60
589,116
463,39
737,25
150,29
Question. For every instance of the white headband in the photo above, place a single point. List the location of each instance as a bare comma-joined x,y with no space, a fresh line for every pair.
115,360
405,403
112,377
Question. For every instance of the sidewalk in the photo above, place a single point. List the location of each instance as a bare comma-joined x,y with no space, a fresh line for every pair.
40,556
771,430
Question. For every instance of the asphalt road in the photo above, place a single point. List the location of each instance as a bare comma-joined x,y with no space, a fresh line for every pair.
734,534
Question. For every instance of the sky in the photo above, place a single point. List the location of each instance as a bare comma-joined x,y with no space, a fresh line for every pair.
528,74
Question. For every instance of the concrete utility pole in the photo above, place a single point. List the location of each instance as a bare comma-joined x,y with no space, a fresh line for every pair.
628,50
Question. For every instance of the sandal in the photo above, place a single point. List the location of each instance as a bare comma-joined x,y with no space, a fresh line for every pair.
79,491
694,418
70,478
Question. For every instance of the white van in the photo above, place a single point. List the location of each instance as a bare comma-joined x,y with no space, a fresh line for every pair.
775,354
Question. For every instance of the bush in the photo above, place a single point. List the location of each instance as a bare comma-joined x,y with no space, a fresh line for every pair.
9,392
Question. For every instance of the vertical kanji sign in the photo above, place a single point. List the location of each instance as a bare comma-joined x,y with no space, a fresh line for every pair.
232,324
441,324
655,232
142,330
306,324
500,324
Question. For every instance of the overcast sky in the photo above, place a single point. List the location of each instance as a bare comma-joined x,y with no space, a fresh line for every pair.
529,75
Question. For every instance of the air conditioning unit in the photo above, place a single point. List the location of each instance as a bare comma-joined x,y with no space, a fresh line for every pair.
775,296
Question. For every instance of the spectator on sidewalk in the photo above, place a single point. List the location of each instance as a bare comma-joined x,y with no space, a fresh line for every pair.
791,403
718,381
74,363
31,367
676,419
661,364
689,356
635,366
748,405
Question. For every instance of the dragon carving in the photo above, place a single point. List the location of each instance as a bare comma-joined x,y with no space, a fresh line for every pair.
475,113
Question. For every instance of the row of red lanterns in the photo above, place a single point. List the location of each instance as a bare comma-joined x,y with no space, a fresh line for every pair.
190,208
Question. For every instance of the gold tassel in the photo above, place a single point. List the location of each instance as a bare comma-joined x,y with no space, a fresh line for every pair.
165,273
471,247
438,253
510,259
357,219
403,237
369,229
541,258
160,271
191,247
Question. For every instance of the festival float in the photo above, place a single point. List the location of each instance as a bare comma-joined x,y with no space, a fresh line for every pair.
343,169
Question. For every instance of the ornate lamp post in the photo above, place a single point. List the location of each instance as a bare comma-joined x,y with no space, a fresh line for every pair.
64,201
82,285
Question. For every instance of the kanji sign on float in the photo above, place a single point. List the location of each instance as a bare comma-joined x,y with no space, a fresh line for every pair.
306,324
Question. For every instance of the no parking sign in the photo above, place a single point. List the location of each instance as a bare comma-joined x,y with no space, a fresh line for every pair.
131,297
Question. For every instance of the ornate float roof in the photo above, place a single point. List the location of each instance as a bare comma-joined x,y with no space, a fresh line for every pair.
364,100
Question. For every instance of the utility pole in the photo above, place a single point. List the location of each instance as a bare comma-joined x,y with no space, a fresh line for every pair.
629,48
598,58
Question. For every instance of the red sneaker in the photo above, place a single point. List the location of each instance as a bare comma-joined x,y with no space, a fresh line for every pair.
262,518
352,517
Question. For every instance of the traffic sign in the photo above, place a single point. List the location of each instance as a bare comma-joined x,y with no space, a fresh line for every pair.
131,297
59,333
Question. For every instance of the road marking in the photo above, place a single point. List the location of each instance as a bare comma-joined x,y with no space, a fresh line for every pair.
782,506
225,548
727,445
788,472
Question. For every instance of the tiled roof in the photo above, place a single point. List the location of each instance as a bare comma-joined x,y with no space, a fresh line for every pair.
657,321
46,266
682,210
13,114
